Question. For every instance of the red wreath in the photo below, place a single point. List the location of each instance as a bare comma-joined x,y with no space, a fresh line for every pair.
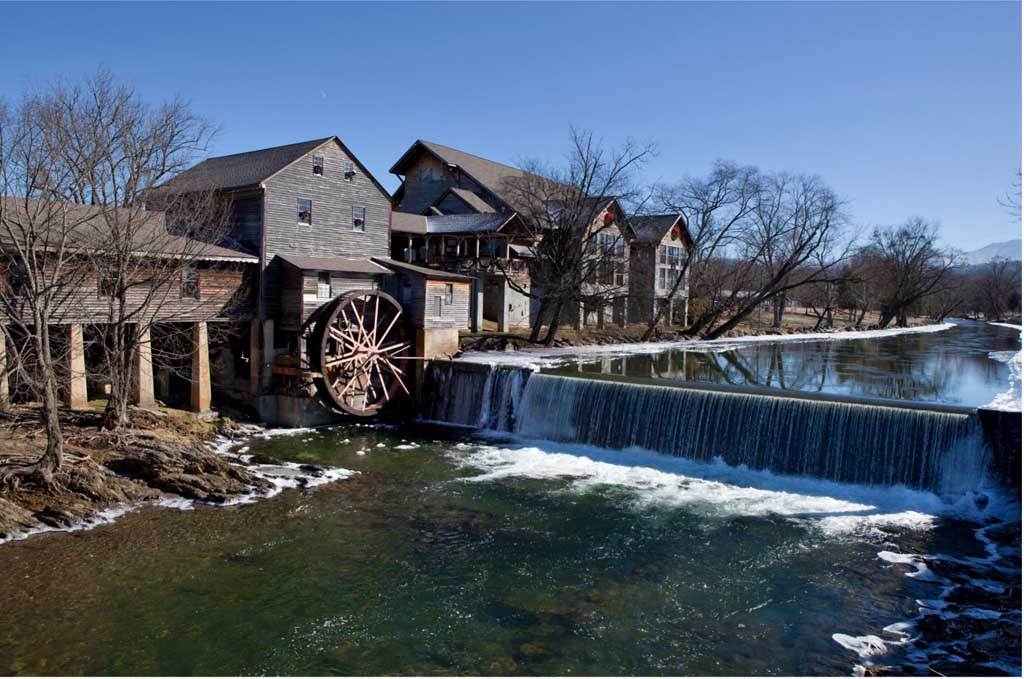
675,233
609,218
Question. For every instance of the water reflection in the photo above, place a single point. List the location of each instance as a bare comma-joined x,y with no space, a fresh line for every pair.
952,366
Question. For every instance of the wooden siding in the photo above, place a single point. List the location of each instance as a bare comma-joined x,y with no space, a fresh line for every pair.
223,294
418,300
330,235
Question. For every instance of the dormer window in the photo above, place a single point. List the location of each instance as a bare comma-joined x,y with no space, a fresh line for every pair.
305,211
318,166
359,219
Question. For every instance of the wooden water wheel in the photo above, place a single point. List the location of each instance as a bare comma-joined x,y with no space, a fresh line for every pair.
359,351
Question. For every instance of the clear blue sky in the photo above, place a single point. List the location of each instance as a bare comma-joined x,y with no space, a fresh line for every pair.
904,108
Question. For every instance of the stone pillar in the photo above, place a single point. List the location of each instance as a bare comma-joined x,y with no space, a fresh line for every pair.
77,392
142,369
200,401
503,307
476,305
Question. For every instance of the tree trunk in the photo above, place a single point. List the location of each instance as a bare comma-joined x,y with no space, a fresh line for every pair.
885,318
549,339
778,308
538,322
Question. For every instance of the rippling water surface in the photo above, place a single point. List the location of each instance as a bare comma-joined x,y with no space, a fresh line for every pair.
451,553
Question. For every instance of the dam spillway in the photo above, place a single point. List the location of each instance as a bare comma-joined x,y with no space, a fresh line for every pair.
940,449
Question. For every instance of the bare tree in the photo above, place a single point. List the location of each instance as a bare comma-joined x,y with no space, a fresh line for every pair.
996,288
115,149
578,241
794,236
40,238
1011,201
906,266
715,208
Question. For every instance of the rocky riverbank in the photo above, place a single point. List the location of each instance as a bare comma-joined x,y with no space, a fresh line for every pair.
168,456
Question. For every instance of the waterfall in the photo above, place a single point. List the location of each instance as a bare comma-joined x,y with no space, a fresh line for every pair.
473,395
839,441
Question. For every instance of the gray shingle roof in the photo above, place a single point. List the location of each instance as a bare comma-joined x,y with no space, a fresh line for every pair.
469,198
87,228
652,228
339,264
435,274
441,224
238,170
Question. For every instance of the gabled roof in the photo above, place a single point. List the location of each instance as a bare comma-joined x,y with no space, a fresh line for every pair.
487,173
468,197
361,265
249,169
652,228
491,222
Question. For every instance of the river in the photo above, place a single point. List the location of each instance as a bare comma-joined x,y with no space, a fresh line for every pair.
454,551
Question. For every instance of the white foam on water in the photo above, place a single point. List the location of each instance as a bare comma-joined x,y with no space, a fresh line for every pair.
865,646
715,489
537,358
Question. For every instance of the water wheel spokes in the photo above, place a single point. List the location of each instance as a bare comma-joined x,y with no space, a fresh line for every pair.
360,346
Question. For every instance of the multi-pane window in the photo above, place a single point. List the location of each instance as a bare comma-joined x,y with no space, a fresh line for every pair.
606,273
449,293
323,285
190,283
350,170
359,219
662,278
318,166
108,283
620,273
305,211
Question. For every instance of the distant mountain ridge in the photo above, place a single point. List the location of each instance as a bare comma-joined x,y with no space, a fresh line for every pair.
1009,249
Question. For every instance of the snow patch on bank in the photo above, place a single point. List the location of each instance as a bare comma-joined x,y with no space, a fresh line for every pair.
1009,400
537,358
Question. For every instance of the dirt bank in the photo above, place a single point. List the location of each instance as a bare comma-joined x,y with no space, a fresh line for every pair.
162,456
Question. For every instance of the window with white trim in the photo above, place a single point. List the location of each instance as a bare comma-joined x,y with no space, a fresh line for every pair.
305,211
359,219
318,166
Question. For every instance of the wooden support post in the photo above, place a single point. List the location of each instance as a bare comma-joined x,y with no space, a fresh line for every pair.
77,392
200,401
476,304
255,357
143,392
5,388
502,319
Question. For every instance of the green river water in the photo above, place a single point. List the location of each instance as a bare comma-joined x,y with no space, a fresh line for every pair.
450,553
